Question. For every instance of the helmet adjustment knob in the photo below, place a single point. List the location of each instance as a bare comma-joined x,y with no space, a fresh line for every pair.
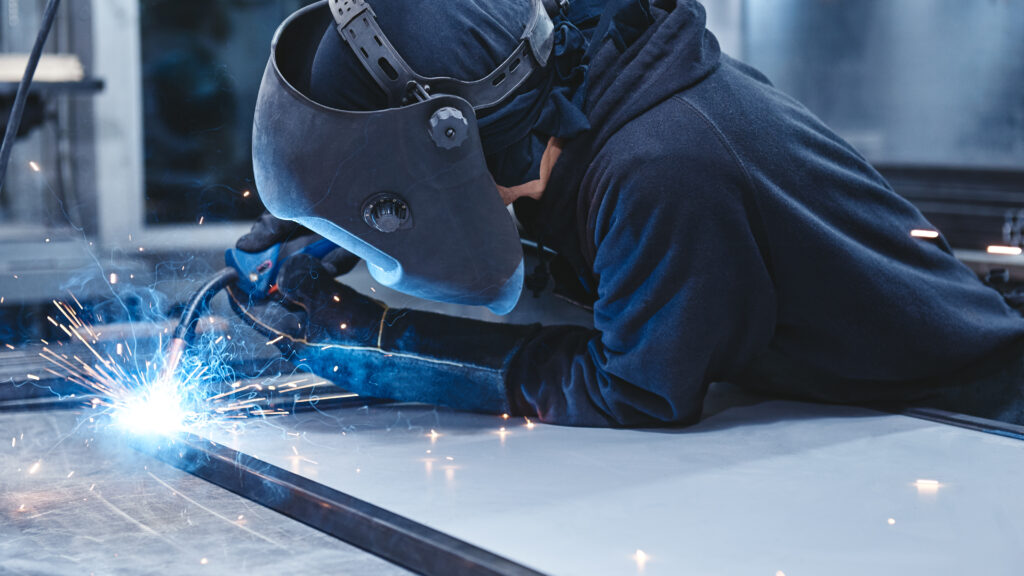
387,213
448,128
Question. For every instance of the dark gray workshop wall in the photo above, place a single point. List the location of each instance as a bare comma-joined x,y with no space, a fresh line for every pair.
202,62
909,82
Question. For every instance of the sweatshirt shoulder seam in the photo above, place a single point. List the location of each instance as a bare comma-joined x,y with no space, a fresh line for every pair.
760,225
721,139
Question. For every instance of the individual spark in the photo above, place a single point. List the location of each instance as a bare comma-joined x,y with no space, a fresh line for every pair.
1004,250
925,486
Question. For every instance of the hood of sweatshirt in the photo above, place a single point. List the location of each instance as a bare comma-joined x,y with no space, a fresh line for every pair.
641,53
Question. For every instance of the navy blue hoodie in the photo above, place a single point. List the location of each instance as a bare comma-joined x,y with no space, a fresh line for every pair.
725,233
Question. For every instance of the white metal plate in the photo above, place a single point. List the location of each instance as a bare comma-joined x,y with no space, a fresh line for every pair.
777,487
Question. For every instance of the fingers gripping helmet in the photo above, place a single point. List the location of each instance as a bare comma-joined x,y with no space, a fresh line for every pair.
406,188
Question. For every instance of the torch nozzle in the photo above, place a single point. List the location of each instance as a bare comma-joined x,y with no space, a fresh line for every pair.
174,351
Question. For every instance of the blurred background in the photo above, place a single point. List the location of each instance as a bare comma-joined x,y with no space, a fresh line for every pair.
133,166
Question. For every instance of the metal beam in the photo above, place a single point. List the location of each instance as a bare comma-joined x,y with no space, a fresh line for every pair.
376,530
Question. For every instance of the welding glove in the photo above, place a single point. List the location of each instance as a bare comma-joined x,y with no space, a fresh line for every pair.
327,328
269,230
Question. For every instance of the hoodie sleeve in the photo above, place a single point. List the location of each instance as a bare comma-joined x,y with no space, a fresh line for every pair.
684,293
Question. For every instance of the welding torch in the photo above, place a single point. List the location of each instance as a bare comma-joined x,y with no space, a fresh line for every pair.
255,274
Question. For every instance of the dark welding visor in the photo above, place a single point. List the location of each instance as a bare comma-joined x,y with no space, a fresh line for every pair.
405,188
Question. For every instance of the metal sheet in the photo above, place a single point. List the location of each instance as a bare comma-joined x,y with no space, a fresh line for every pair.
775,486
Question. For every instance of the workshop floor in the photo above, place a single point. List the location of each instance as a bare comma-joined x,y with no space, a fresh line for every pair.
75,502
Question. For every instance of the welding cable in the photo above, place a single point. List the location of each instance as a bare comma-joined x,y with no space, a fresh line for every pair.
197,303
186,328
18,110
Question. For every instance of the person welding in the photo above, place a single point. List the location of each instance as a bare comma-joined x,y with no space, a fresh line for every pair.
718,229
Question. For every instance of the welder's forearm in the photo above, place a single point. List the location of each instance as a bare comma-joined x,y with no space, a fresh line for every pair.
565,375
550,379
430,358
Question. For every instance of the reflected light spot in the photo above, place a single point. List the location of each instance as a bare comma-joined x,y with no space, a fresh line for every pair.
641,558
891,521
1004,250
927,486
924,234
203,561
113,278
34,166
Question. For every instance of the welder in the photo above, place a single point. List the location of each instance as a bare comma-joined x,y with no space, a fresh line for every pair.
718,230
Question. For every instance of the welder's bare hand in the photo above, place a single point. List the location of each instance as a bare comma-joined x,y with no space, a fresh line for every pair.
312,309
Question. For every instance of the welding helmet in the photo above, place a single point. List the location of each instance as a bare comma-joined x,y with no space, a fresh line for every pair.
405,188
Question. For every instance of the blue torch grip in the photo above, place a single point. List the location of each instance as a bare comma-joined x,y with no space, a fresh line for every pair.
257,271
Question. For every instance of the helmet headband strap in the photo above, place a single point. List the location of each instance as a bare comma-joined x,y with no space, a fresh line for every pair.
357,24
